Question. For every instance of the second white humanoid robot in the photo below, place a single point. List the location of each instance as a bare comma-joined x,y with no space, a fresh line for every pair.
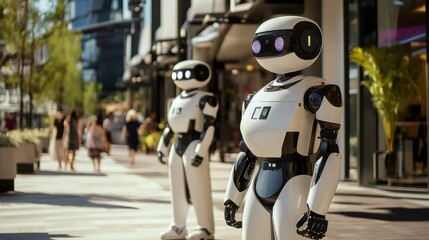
191,118
289,130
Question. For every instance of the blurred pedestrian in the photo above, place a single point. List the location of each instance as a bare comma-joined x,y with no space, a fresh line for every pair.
96,141
130,134
108,127
58,127
10,122
149,133
71,137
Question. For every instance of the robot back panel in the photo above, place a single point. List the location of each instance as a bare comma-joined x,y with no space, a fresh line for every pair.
278,109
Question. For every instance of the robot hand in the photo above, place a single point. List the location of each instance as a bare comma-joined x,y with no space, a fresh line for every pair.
161,157
196,160
230,210
316,226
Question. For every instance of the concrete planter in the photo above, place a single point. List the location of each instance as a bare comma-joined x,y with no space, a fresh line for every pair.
8,168
44,142
27,157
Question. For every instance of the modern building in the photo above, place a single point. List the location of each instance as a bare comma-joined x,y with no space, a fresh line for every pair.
220,33
106,26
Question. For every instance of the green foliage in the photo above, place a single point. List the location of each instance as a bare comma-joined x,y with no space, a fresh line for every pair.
58,79
26,135
7,141
392,81
90,97
60,76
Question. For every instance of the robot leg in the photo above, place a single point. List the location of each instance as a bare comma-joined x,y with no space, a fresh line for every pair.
256,219
179,199
290,205
201,193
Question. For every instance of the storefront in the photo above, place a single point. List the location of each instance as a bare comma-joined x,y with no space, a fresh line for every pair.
386,24
217,34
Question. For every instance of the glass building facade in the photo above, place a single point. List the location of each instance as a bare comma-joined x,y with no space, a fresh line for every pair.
385,24
105,25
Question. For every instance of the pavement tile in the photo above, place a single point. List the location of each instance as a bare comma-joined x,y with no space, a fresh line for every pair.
133,202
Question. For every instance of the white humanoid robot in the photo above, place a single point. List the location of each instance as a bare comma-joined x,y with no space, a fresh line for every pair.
289,130
191,117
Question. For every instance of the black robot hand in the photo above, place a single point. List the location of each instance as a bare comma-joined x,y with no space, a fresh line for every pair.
196,160
230,210
315,228
161,157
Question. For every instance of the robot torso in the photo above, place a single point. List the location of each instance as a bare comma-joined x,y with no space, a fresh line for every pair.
184,114
275,122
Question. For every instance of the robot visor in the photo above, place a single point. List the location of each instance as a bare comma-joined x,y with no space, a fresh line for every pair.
199,73
272,43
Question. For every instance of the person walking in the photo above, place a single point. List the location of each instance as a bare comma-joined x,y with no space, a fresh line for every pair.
96,141
108,127
10,122
130,134
71,138
58,126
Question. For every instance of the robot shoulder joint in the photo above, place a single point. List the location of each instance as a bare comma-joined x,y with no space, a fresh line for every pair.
314,96
248,99
208,99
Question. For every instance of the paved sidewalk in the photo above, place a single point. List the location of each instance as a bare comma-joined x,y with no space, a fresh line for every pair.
132,202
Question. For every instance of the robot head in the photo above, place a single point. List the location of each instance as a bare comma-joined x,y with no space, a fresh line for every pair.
287,44
191,74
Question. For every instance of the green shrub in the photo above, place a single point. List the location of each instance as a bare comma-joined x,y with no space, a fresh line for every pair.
26,135
7,141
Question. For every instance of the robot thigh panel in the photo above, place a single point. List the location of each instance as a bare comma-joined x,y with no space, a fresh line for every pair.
279,222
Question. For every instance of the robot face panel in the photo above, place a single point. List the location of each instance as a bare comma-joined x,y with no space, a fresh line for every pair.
191,74
287,44
273,43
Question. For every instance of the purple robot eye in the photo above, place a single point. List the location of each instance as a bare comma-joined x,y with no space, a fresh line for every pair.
279,44
256,46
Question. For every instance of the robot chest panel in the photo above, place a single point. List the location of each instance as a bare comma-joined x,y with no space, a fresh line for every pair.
184,114
265,123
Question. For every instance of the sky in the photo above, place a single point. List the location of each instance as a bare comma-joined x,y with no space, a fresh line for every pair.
43,5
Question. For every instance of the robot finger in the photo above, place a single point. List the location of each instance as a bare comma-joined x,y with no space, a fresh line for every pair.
161,158
303,232
196,161
301,221
238,224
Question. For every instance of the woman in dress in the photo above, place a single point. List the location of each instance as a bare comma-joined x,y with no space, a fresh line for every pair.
71,138
130,134
96,141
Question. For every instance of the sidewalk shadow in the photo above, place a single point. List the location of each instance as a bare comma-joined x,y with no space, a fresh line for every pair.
394,214
34,236
64,200
57,173
364,195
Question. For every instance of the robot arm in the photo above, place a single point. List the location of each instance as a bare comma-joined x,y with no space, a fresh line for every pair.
325,101
209,107
239,181
163,144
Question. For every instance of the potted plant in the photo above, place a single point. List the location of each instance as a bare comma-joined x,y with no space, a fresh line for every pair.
392,81
28,149
8,153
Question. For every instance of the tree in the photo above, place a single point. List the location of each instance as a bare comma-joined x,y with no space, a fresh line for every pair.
60,78
24,28
90,97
